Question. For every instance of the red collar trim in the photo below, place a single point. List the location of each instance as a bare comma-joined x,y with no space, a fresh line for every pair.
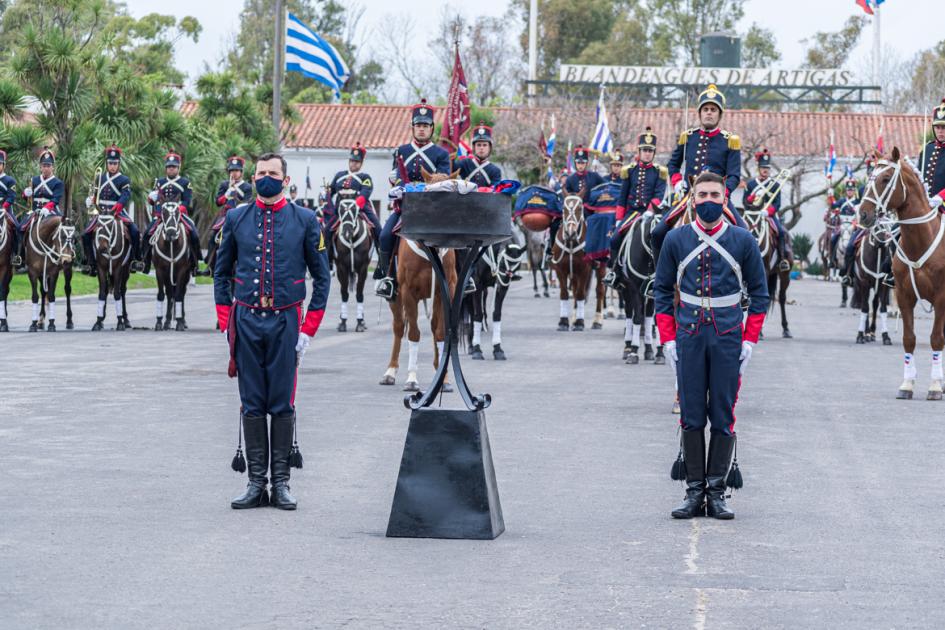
714,132
713,230
939,145
276,207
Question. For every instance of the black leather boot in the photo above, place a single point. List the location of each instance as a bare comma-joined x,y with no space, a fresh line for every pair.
721,448
256,434
383,261
281,438
693,446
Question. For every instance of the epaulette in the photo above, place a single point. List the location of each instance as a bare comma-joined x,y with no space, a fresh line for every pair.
664,172
734,142
626,169
684,136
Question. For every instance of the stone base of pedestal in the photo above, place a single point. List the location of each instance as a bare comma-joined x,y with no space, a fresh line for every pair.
446,487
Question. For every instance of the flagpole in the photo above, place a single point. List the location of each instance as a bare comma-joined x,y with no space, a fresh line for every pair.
532,49
278,65
877,44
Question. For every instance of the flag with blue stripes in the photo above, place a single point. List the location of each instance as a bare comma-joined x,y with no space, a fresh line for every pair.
313,56
603,142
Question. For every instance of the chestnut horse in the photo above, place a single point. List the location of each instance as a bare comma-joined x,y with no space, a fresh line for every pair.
895,192
567,258
50,249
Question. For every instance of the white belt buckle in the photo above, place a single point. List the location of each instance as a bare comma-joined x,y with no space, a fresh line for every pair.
706,303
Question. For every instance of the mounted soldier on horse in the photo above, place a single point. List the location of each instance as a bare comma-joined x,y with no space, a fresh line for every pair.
173,187
174,259
10,255
231,193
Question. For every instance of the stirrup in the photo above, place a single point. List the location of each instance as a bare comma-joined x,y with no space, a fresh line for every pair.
784,265
385,288
17,261
611,279
470,287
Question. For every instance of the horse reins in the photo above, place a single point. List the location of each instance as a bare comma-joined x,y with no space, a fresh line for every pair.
161,230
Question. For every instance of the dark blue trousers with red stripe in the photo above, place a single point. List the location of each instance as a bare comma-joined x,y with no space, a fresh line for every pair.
708,379
266,359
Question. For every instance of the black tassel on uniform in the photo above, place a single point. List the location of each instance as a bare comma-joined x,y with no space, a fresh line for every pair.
239,462
295,455
678,473
734,479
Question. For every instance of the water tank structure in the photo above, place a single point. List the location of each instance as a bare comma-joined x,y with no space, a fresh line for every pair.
720,50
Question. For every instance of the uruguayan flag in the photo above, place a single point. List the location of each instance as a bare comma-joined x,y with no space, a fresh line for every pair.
313,56
603,142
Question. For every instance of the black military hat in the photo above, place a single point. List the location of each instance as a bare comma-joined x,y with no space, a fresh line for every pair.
293,188
235,163
580,154
712,95
482,133
616,157
938,114
763,158
47,157
172,159
647,139
3,157
422,113
113,153
851,184
357,152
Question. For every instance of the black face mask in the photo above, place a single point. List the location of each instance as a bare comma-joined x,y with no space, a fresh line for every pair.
268,187
709,211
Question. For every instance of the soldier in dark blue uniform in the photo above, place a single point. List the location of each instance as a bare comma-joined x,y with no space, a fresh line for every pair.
268,245
8,197
704,337
616,168
642,192
45,192
112,192
477,168
231,192
410,160
762,192
579,183
932,159
173,186
354,183
848,207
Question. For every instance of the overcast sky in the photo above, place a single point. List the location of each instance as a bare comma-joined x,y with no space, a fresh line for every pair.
907,25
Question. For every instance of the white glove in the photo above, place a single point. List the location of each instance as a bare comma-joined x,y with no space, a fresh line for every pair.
680,187
935,201
745,356
88,202
397,192
302,346
153,196
28,191
647,214
669,349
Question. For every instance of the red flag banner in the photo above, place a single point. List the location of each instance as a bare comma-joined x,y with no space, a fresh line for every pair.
456,121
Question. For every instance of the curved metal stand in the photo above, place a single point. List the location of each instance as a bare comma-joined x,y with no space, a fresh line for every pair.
452,313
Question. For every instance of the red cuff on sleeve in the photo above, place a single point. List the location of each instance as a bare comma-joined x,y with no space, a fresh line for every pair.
360,201
6,205
223,316
941,193
655,203
750,199
221,200
50,206
183,208
666,324
313,320
771,211
752,327
621,213
674,179
118,208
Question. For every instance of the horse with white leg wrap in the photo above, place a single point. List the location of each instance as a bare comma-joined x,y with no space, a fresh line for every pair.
567,258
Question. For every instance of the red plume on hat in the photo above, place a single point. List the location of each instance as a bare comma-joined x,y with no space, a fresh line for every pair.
760,154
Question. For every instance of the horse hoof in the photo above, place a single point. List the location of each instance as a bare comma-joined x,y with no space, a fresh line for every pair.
546,294
343,326
360,327
886,340
596,326
578,325
96,327
4,327
447,388
476,353
904,394
633,359
860,339
387,380
167,325
660,360
648,354
50,327
563,324
787,334
411,386
498,353
126,323
934,395
537,295
608,315
158,326
70,325
181,326
871,337
34,327
626,353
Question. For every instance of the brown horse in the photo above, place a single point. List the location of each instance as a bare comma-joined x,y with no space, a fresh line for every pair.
50,249
353,241
567,258
765,233
416,282
7,230
895,191
172,266
113,262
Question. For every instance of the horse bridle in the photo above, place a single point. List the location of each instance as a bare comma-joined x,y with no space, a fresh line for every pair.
170,223
503,266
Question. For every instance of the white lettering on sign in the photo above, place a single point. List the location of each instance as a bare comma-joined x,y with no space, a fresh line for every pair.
765,77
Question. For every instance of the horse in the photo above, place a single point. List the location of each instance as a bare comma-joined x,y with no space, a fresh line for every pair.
636,267
113,260
839,254
353,242
764,231
567,258
895,191
50,249
535,247
172,266
7,227
872,252
495,268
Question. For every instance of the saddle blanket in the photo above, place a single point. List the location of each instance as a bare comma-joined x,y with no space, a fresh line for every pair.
538,199
600,228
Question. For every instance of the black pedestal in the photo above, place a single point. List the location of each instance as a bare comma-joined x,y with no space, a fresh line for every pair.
446,487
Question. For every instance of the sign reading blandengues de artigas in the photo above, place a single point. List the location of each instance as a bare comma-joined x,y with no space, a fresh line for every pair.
766,77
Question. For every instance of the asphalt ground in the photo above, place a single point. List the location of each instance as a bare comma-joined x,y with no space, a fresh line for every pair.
115,453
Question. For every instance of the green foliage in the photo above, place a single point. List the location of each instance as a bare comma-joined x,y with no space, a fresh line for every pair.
81,285
802,245
759,48
679,24
831,49
815,268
